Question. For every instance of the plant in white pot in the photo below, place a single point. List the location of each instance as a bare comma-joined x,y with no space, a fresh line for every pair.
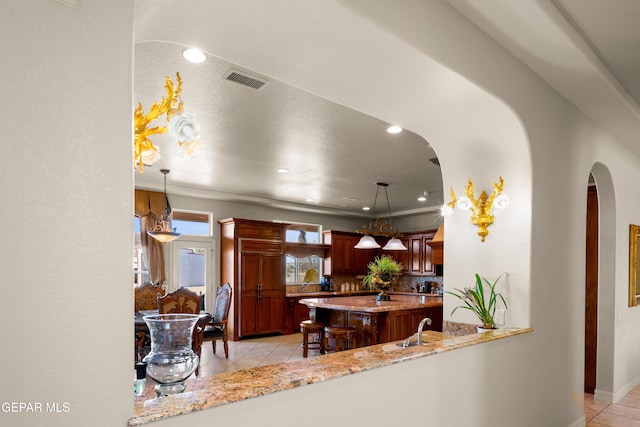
481,300
383,271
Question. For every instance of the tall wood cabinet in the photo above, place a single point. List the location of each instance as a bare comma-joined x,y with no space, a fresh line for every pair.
252,261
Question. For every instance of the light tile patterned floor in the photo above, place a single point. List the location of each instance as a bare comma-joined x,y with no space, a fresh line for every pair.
250,353
624,413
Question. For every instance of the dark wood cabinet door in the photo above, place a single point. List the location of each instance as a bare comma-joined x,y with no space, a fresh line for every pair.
271,266
415,255
362,258
428,267
300,313
261,299
402,257
400,325
342,254
270,312
248,313
433,313
250,271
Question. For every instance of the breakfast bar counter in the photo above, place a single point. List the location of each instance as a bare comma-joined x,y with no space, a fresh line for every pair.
222,389
378,321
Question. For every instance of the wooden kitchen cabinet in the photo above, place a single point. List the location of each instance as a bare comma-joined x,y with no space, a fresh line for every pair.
404,323
343,257
261,297
437,246
295,314
420,262
252,262
399,256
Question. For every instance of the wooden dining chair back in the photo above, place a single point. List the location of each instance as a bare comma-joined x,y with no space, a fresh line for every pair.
181,300
217,328
146,296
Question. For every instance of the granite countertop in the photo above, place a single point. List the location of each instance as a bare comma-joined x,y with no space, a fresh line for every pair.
209,392
368,303
329,293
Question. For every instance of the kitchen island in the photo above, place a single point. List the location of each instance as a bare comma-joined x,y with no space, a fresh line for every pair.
378,321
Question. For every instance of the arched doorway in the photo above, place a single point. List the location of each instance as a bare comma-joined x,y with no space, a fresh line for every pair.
599,318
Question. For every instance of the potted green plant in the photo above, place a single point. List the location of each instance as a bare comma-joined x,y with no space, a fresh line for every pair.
481,300
383,271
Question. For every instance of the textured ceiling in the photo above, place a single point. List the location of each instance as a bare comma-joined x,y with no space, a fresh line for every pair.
335,155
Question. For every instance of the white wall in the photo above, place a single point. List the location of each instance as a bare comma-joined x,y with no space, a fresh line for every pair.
66,196
531,137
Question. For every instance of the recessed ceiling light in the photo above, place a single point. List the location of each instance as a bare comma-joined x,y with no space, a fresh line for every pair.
366,208
394,129
308,200
422,199
283,170
194,55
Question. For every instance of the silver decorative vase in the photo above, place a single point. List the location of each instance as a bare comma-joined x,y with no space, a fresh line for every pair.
171,359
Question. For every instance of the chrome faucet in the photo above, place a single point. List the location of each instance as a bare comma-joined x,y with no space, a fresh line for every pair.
407,342
420,326
303,286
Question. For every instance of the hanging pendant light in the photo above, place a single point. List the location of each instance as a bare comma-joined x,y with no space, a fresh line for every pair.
394,244
380,227
367,242
163,230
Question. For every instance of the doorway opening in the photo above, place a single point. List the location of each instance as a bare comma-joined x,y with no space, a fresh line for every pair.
591,291
600,281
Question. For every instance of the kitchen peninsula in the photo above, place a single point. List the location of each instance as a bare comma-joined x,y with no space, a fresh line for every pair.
378,321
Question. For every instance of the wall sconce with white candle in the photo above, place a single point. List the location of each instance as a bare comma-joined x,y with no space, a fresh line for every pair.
481,208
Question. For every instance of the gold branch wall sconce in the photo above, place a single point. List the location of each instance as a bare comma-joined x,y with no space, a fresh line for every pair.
180,125
481,208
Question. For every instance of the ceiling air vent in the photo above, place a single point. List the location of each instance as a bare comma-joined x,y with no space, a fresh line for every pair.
435,161
245,79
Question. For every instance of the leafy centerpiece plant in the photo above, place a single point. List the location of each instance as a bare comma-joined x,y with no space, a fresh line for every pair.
383,271
481,300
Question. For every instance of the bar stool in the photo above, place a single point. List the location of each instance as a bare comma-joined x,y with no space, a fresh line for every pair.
308,327
345,337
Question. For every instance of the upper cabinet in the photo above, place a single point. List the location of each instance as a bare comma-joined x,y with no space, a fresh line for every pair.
420,261
343,258
400,256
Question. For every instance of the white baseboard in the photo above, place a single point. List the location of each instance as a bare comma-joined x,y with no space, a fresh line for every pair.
609,397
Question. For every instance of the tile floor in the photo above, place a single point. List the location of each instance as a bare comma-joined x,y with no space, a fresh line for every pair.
624,413
250,353
264,351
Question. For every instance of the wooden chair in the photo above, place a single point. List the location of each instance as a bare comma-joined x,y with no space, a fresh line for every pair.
217,328
182,300
146,296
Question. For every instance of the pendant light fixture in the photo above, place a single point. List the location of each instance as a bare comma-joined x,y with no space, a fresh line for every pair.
380,227
163,230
